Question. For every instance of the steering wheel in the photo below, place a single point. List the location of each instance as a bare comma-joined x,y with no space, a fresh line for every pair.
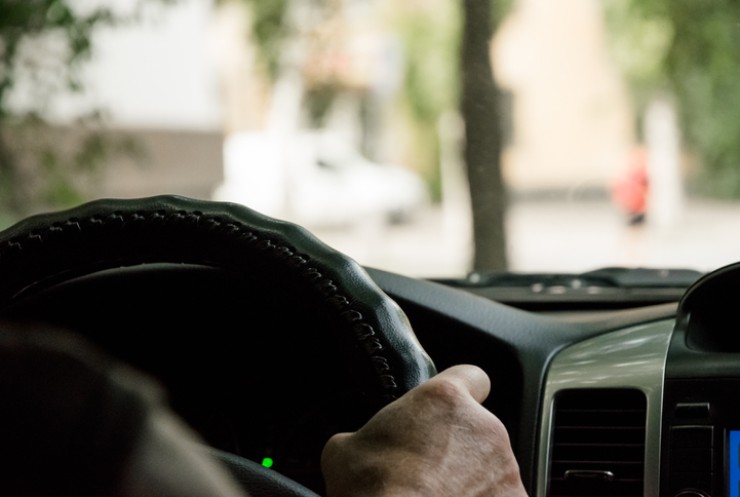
121,272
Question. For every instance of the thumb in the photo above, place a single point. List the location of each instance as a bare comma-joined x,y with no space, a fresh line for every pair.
470,377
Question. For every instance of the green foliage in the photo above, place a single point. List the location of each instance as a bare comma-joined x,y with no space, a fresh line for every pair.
431,43
689,49
500,9
27,29
431,80
269,31
26,20
44,45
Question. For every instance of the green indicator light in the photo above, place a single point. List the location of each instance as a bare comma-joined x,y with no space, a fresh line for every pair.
267,462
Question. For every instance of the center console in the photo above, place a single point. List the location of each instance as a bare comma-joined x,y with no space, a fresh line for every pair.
700,450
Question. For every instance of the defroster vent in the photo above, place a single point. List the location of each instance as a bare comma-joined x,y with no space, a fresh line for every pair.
598,446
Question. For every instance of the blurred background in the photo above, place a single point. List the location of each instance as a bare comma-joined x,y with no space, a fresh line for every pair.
430,137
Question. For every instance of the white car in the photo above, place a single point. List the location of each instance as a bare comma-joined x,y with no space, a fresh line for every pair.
317,178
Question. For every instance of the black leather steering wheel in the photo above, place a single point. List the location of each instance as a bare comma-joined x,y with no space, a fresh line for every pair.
103,266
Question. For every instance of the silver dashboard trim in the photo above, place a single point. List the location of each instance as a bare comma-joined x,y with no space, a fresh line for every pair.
634,358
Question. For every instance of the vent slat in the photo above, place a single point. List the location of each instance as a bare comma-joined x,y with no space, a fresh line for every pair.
599,442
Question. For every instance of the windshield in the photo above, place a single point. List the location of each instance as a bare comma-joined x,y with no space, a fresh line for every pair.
432,138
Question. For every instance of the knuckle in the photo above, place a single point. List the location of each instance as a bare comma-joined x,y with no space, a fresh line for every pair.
444,391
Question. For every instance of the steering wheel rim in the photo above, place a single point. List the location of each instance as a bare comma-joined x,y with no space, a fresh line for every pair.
48,249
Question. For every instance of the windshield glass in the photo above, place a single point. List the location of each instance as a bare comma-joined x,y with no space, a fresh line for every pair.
432,138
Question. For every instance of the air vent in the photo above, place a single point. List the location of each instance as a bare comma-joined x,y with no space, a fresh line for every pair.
598,443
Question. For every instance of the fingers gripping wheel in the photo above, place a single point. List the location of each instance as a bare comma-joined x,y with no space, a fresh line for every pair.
106,236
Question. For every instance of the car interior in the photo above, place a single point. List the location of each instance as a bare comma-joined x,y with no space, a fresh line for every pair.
268,341
288,214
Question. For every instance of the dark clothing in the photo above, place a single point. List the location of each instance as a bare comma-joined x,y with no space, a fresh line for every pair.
70,415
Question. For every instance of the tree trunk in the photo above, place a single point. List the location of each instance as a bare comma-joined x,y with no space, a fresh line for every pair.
483,138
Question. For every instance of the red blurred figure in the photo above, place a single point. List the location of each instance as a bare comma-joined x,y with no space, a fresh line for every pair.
631,190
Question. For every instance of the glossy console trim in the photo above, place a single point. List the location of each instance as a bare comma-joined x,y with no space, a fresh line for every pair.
634,357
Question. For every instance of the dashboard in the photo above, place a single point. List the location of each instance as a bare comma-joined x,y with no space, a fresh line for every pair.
639,401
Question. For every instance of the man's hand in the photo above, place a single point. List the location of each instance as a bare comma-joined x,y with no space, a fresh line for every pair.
435,441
